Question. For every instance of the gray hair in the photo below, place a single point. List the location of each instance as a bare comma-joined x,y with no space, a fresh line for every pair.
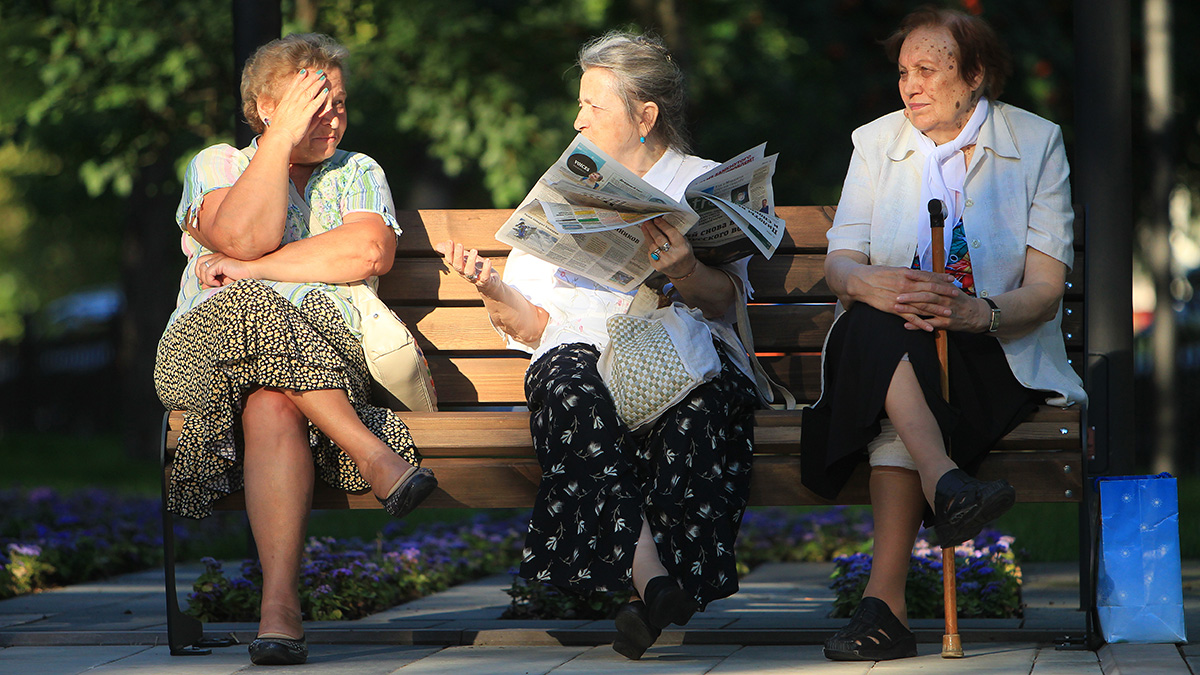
645,73
271,64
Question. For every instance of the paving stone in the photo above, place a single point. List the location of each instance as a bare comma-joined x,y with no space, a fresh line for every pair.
786,660
1126,659
992,659
1067,619
7,620
53,661
1050,661
493,661
481,599
659,660
158,660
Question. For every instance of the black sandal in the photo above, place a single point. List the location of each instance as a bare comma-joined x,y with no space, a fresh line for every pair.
964,505
409,490
634,632
873,634
668,603
276,649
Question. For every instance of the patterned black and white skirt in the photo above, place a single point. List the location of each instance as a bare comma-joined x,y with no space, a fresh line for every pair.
689,477
245,337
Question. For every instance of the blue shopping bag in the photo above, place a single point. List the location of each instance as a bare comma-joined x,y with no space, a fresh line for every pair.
1139,589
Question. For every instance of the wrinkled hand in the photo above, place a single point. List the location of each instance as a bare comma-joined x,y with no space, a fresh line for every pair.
926,301
946,307
670,251
469,265
296,113
218,269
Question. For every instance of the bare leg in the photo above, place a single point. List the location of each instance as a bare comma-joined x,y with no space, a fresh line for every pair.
918,428
897,505
330,410
646,563
279,479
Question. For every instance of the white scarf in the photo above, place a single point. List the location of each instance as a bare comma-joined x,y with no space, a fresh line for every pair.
943,178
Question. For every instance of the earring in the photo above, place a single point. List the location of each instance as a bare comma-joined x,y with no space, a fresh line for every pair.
643,139
266,121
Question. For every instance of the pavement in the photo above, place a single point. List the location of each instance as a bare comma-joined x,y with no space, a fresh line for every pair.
774,625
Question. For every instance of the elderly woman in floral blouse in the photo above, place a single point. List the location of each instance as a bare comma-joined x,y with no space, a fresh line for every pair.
262,353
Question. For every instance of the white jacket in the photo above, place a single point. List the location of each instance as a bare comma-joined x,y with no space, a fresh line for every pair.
1017,195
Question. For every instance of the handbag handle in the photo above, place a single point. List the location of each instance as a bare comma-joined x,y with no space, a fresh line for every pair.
762,379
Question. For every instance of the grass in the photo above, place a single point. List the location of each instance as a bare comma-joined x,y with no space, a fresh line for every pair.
1044,532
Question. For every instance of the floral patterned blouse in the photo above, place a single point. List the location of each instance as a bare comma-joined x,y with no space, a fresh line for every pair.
345,183
958,263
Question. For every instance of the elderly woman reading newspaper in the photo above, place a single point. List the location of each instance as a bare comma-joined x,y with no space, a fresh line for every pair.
659,511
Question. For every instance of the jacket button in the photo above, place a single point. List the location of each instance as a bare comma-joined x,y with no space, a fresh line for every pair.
974,243
970,202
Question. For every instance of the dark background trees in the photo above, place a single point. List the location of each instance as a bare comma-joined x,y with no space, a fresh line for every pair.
463,102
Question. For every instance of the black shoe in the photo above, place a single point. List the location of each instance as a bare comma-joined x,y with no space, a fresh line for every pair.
668,603
412,489
873,634
634,632
964,505
277,650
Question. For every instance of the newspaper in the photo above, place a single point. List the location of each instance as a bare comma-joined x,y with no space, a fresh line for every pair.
584,214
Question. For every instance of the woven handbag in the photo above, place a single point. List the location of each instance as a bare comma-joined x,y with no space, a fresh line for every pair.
399,372
652,362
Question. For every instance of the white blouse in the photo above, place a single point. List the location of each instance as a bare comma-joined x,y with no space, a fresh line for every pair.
579,307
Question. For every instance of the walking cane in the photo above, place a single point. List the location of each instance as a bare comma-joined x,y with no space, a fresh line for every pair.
951,641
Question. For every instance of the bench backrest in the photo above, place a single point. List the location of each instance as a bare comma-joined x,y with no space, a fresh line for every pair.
790,313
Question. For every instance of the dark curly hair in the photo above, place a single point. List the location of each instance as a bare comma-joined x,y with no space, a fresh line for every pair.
979,48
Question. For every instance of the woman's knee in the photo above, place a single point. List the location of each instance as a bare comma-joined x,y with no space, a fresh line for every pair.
268,407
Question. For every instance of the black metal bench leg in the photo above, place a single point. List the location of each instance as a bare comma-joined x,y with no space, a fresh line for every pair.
185,634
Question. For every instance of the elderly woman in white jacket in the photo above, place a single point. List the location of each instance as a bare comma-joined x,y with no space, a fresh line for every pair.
1002,176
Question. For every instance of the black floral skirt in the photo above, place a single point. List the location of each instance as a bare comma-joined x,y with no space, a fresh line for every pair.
864,347
689,477
245,337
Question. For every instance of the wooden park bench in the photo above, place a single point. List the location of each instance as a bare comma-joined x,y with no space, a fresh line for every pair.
478,443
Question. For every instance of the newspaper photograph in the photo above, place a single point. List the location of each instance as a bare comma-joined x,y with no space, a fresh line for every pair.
584,215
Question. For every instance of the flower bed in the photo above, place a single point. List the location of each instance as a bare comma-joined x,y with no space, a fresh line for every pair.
49,540
988,580
350,579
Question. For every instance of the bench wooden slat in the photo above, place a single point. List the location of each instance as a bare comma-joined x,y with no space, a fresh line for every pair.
775,481
494,433
500,379
777,328
783,278
806,228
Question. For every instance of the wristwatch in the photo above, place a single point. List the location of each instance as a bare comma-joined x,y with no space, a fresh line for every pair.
995,324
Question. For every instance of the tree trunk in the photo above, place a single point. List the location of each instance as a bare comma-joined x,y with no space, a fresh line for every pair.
150,267
1159,117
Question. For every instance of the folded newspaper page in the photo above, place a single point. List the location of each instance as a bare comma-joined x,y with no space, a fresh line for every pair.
584,215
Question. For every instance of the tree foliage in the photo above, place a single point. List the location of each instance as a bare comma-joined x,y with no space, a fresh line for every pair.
463,102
